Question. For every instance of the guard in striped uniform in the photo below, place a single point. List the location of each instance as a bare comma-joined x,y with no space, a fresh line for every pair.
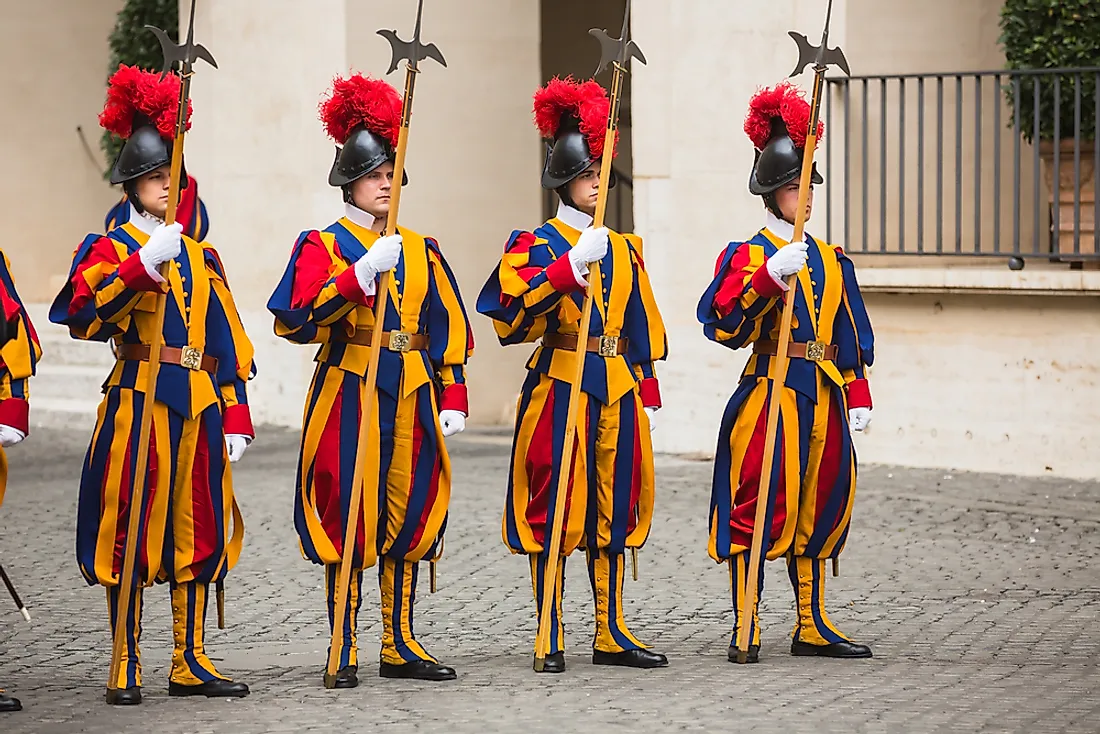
326,297
826,394
19,355
535,295
191,212
192,527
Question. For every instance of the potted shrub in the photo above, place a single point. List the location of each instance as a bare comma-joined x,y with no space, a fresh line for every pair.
1058,34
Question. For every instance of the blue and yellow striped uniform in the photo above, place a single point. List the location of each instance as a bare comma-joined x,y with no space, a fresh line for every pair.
407,481
814,471
532,293
193,530
19,357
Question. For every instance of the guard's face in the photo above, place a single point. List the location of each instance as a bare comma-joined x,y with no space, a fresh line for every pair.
585,189
152,191
371,193
787,199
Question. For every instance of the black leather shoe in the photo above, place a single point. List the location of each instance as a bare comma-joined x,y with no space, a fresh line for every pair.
124,696
347,677
417,670
9,703
753,655
210,689
630,659
554,663
842,649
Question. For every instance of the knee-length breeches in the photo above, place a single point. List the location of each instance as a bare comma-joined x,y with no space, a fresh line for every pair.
610,502
191,528
406,478
813,473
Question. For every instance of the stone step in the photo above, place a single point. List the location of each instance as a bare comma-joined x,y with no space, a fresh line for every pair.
47,412
68,381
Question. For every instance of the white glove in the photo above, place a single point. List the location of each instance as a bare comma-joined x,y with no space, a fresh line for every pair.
590,247
10,436
452,422
236,443
380,258
859,419
787,261
651,412
163,245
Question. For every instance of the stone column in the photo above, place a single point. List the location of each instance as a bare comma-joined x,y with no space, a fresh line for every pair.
691,169
262,161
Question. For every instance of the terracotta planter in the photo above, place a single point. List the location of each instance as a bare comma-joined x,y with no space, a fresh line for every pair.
1062,236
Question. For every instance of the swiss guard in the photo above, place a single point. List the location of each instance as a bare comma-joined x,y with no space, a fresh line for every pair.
192,528
190,212
825,397
19,354
326,297
535,296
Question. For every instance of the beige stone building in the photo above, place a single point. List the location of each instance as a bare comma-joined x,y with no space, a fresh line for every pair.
979,367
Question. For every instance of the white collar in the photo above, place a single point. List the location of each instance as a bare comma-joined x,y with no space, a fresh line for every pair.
575,218
781,228
144,221
358,216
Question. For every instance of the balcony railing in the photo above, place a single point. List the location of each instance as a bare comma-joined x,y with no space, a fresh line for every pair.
943,164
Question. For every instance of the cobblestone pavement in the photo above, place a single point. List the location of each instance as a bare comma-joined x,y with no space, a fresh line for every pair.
980,595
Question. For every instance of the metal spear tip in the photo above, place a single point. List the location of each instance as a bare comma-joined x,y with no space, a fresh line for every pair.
415,50
186,53
820,56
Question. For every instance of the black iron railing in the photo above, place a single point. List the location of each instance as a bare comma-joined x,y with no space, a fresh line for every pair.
994,163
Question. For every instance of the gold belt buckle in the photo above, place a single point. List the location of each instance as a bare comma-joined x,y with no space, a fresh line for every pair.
815,351
191,358
399,341
609,346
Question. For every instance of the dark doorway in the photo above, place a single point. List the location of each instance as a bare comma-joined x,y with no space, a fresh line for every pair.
567,49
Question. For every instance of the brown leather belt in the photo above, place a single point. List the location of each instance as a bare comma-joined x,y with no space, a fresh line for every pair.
605,346
395,341
189,357
812,351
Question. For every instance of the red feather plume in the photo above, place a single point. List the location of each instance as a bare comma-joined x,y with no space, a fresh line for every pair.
132,91
360,100
786,102
587,101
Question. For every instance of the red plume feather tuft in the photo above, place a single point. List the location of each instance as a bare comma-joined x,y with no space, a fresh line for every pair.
786,102
360,100
587,101
132,91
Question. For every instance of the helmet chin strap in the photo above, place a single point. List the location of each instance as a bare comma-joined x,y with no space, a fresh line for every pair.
563,194
771,202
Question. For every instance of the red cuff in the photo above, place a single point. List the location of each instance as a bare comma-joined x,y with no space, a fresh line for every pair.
650,392
859,394
15,412
136,277
347,284
561,276
455,397
764,284
237,420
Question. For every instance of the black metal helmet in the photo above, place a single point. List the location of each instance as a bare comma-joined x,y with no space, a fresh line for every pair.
361,153
568,157
145,150
777,165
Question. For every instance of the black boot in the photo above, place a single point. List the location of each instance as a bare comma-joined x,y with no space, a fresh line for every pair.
753,655
417,670
630,659
124,696
842,649
9,703
554,663
347,677
210,689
